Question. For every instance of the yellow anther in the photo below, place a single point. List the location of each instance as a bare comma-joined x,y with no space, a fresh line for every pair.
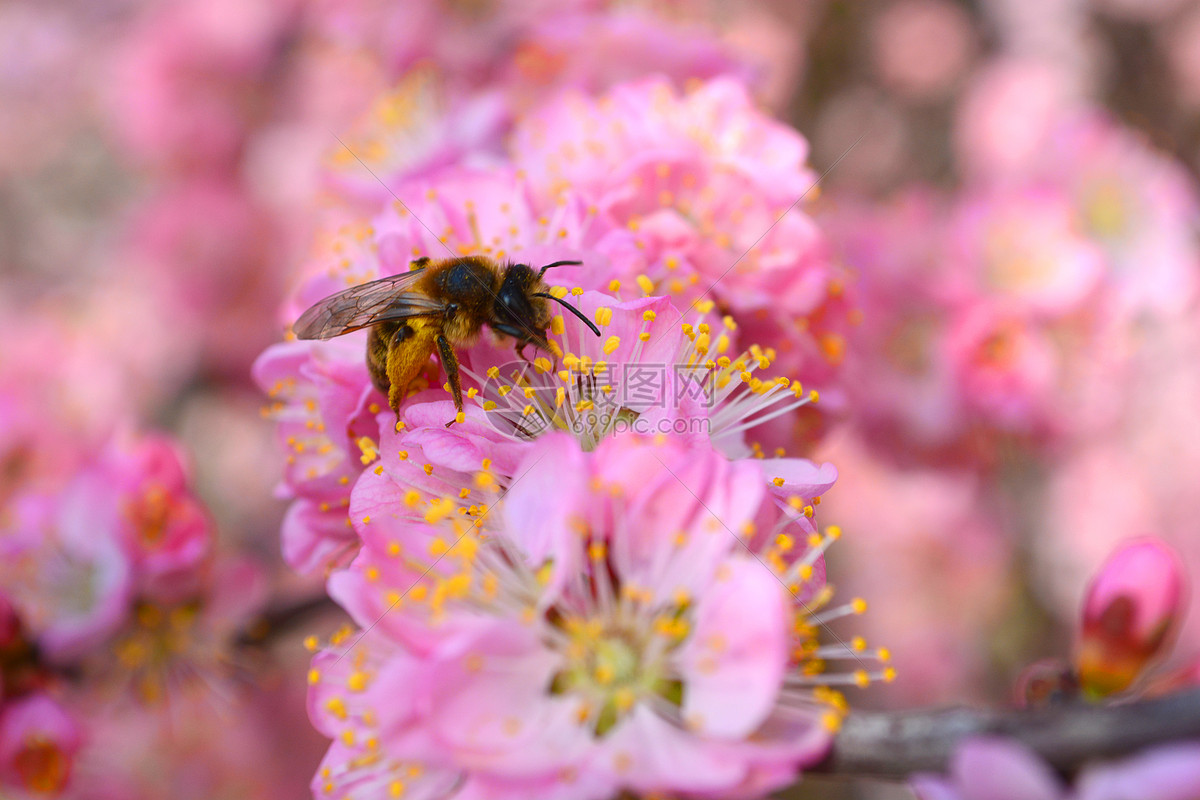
369,451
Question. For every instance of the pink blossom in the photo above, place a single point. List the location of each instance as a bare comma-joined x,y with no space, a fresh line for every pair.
614,633
1128,611
902,390
984,323
39,740
74,587
993,768
1005,368
136,494
1023,247
702,181
1138,205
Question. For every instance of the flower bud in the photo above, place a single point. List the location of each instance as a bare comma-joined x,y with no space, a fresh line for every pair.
1127,613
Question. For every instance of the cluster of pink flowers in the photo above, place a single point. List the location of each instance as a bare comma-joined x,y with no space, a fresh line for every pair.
971,285
111,584
1023,296
606,575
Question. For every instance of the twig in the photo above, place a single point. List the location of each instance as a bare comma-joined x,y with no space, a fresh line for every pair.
896,745
281,618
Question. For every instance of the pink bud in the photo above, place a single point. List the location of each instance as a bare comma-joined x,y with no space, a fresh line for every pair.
1127,613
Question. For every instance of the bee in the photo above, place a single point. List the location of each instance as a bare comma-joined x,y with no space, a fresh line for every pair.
438,306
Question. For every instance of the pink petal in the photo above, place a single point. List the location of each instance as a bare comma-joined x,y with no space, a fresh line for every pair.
312,538
546,492
1171,772
801,477
648,754
491,705
733,663
991,768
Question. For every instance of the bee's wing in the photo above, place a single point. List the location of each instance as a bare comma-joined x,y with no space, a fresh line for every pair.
364,305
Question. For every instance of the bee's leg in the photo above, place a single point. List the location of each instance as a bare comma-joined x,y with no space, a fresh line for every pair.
450,364
396,391
419,263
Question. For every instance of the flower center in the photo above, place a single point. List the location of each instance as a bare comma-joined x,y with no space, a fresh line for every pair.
611,669
150,515
42,766
1105,211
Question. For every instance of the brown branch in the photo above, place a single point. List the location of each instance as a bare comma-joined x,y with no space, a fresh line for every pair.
279,619
896,745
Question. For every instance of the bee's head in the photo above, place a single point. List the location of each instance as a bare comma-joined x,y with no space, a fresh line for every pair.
514,302
522,304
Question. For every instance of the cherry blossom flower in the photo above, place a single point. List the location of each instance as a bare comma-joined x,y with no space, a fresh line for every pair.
117,571
589,639
39,740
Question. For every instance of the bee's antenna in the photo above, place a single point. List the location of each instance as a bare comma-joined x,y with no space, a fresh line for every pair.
560,264
568,306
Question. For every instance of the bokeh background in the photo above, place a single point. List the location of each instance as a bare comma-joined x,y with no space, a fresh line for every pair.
1009,191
